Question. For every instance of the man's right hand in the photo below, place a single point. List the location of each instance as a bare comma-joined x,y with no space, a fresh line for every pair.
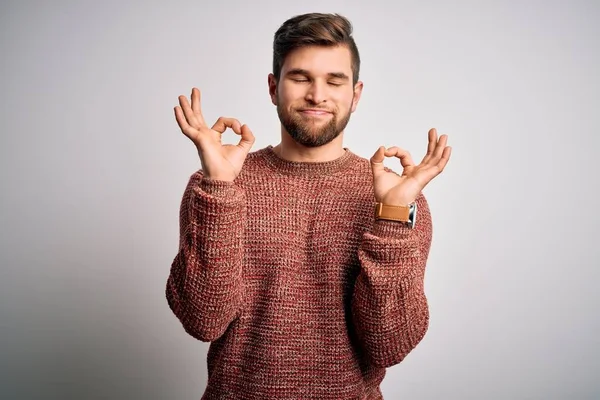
219,161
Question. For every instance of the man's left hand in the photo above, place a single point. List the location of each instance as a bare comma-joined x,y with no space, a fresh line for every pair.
394,189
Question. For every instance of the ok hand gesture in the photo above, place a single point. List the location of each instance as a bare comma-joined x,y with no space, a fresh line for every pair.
219,161
393,189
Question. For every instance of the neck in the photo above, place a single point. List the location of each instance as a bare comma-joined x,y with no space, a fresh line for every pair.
290,150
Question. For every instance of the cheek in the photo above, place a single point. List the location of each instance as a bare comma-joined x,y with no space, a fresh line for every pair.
344,100
287,96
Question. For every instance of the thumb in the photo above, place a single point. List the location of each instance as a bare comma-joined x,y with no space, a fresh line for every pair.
377,161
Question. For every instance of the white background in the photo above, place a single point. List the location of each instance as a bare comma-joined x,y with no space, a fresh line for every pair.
93,166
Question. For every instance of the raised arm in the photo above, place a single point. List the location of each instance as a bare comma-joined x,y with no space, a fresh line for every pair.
204,287
390,310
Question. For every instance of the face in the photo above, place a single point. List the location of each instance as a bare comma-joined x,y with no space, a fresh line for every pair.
315,94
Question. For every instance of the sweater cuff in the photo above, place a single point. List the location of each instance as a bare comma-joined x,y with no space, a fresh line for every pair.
218,199
391,229
216,188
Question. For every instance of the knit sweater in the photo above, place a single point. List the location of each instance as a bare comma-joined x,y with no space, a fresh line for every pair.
301,292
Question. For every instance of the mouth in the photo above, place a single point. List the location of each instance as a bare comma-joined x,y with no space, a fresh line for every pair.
317,112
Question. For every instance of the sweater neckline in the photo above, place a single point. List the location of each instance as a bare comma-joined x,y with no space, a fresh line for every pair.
308,168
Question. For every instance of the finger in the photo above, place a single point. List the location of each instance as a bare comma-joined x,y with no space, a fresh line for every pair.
432,143
377,161
434,170
182,122
196,105
403,155
433,157
432,140
247,139
223,123
188,113
444,158
441,145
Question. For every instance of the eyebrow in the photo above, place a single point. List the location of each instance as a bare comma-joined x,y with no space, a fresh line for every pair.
300,71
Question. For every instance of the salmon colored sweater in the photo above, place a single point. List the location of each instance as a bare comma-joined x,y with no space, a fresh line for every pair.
301,292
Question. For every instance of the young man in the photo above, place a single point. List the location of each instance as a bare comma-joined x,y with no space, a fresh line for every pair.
303,264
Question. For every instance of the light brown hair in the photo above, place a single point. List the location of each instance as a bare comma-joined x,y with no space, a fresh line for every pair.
314,29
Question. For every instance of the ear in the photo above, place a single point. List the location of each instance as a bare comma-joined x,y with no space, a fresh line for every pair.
273,88
357,92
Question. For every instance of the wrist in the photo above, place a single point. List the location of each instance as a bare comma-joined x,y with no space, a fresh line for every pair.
396,201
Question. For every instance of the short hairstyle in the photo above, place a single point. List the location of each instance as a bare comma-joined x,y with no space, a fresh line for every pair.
314,29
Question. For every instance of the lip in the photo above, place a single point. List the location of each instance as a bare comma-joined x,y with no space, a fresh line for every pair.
314,111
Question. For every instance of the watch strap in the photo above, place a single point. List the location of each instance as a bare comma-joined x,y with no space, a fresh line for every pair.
396,213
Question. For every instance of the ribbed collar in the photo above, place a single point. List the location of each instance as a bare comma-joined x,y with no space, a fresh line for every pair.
307,168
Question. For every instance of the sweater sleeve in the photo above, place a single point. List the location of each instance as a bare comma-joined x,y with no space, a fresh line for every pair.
204,287
389,307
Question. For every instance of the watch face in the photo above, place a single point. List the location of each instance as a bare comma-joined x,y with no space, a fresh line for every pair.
412,215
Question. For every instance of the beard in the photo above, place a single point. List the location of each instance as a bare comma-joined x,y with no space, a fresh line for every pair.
307,132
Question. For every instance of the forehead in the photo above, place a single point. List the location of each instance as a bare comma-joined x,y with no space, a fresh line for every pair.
319,60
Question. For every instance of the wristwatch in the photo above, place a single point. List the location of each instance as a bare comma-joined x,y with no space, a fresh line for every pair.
406,214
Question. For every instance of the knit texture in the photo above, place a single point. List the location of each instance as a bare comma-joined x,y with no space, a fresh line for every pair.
301,292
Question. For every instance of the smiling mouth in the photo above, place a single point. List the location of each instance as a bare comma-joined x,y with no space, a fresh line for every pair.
315,112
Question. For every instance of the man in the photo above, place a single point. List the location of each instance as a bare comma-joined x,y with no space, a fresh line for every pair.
303,264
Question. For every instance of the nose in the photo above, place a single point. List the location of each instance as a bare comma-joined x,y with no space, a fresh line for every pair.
317,92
